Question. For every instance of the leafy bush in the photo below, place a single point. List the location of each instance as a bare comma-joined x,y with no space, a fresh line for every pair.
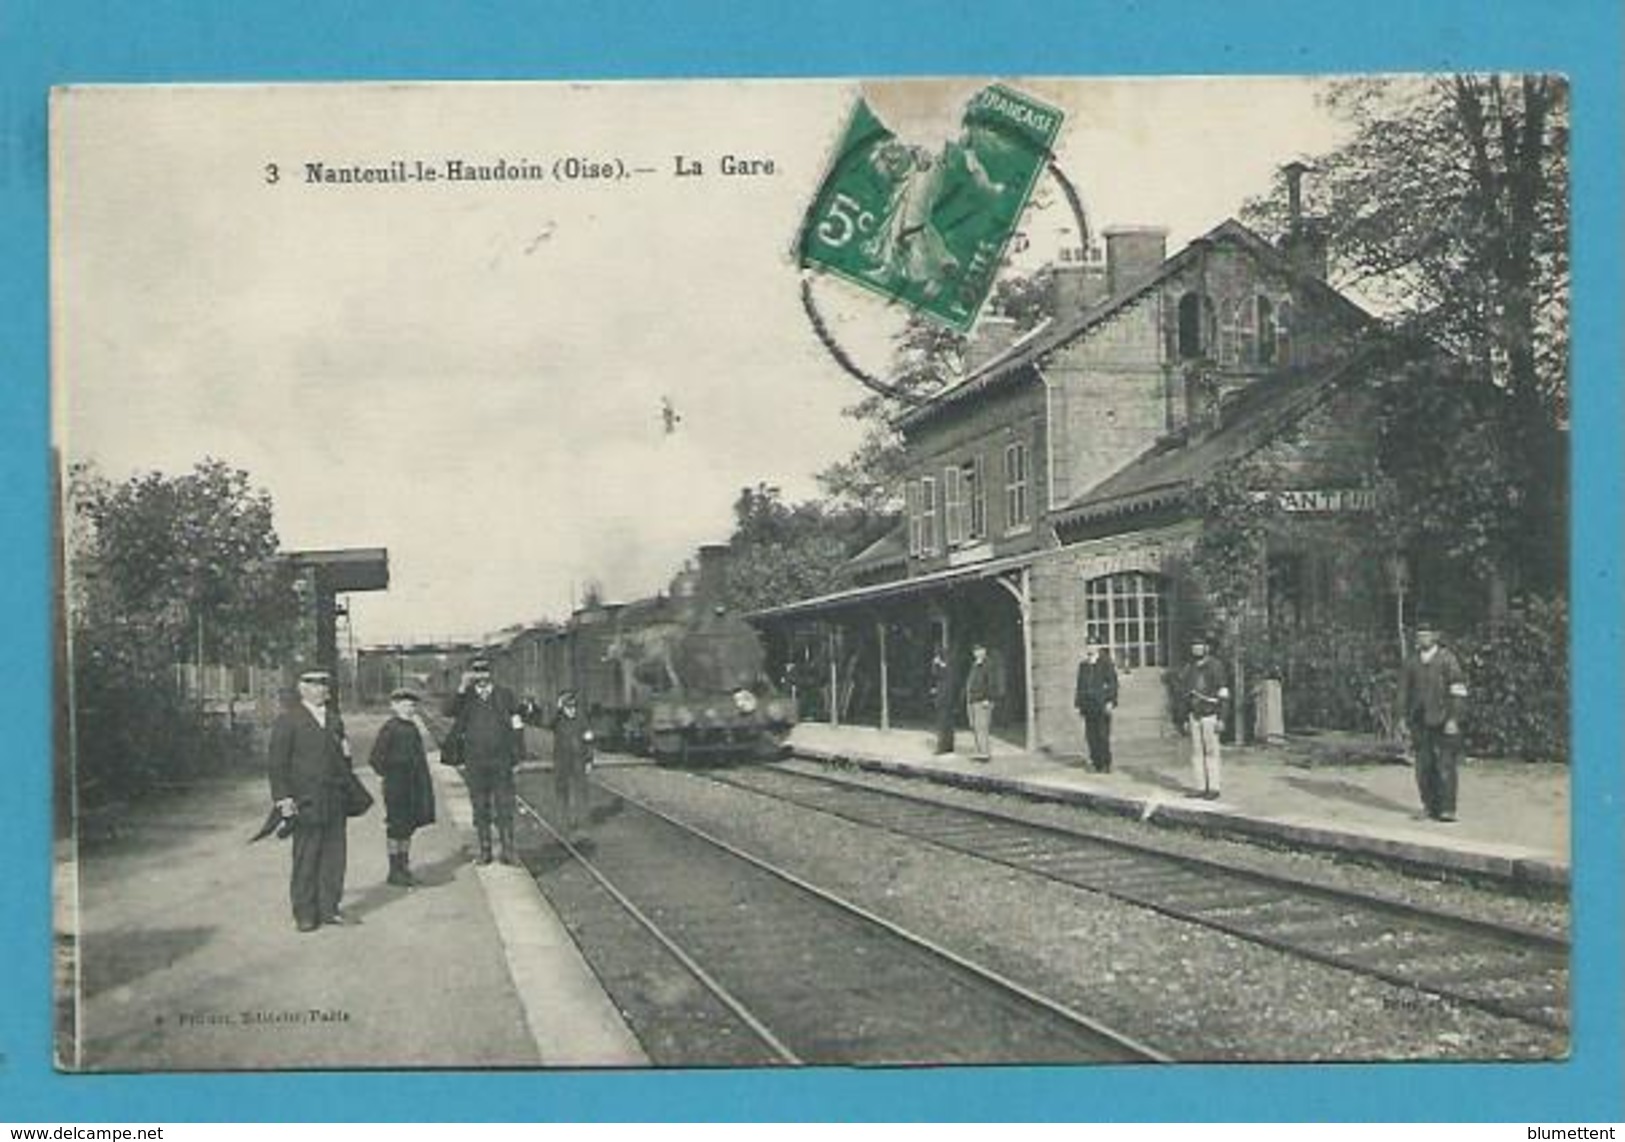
133,728
1517,671
1332,676
1518,684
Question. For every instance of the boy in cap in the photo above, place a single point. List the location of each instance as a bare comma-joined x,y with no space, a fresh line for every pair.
488,724
399,758
1204,688
1432,696
308,762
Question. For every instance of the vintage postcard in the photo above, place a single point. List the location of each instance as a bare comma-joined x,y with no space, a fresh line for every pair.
991,570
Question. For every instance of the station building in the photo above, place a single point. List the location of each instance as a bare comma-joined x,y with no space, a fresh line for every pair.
1048,493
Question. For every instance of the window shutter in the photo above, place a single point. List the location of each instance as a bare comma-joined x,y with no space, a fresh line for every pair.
978,506
953,507
911,508
928,516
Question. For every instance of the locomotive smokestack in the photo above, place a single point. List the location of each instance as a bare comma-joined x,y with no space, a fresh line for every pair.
713,587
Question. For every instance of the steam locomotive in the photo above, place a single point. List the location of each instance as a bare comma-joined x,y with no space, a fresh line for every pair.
676,676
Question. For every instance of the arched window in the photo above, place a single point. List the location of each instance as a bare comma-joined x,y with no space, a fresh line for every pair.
1196,325
1266,331
1127,614
1283,333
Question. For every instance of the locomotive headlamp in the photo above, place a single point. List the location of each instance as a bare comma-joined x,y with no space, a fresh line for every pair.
744,701
685,716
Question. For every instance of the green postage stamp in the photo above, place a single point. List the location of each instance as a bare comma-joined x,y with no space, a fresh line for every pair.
930,230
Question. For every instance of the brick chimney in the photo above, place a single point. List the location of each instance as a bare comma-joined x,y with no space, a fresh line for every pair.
994,334
1077,283
1304,243
1133,254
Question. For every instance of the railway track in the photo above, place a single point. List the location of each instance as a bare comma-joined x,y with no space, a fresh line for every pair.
1501,970
815,979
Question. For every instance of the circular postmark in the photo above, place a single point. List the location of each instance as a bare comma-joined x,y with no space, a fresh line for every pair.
928,230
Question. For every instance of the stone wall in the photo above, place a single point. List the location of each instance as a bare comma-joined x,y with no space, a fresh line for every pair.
1058,580
983,427
1108,398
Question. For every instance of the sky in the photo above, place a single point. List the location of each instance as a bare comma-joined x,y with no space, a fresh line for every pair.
471,375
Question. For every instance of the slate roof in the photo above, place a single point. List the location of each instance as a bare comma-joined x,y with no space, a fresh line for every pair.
1018,362
1248,420
890,549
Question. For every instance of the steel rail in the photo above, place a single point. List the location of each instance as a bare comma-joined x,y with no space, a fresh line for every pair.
723,995
987,975
1483,929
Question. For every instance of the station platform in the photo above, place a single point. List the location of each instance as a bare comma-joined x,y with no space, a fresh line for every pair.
1333,793
187,957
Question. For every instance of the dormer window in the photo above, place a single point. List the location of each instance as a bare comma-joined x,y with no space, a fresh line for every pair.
1196,325
1266,330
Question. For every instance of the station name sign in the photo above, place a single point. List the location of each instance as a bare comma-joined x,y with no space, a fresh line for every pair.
1324,501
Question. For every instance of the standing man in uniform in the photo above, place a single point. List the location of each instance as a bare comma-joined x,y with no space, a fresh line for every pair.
1204,688
1096,697
984,687
308,762
572,757
1432,695
488,727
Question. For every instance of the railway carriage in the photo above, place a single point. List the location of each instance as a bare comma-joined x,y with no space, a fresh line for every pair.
675,675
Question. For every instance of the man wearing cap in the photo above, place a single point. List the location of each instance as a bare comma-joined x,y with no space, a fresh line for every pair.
1203,690
1432,695
572,756
984,688
308,762
1095,697
399,758
487,723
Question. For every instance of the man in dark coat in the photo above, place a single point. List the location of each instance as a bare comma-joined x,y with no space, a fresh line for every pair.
1095,696
308,762
1203,690
939,683
572,756
488,728
399,758
1432,697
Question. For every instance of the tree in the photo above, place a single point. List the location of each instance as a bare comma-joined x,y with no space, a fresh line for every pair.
783,552
927,358
190,554
1448,209
162,570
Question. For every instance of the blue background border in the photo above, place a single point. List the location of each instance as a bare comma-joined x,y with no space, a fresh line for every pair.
45,42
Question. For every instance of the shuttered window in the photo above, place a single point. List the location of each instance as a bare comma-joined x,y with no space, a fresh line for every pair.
928,516
911,508
953,506
975,498
1015,487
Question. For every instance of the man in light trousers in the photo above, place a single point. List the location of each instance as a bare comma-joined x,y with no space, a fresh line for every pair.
1204,689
